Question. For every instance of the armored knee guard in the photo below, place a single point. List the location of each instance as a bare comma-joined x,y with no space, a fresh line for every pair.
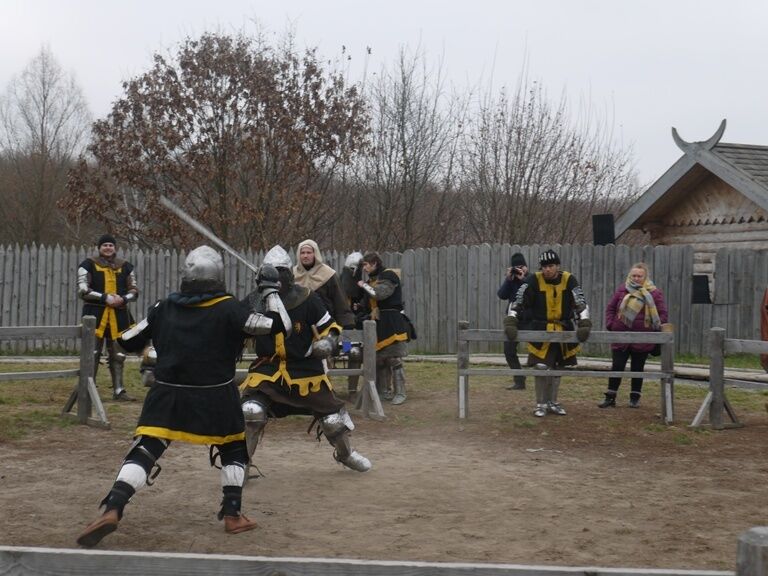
136,471
255,414
336,428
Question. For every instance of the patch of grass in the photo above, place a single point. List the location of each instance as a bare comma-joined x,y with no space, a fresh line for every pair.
682,439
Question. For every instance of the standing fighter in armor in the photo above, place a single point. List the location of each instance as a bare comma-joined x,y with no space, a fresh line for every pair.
385,305
107,284
288,376
198,334
552,300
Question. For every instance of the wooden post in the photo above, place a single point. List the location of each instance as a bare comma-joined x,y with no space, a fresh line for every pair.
716,376
462,363
87,365
370,403
668,383
752,552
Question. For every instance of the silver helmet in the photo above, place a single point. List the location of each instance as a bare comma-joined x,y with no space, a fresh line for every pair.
203,264
353,260
278,258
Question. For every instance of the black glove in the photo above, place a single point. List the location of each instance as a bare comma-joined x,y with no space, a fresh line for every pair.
267,280
584,327
510,327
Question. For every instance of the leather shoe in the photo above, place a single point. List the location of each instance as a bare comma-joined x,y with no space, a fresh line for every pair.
237,524
517,386
99,528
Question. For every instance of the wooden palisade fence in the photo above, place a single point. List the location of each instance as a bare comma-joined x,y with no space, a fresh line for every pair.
441,286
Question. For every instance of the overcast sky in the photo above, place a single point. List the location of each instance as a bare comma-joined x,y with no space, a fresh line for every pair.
645,65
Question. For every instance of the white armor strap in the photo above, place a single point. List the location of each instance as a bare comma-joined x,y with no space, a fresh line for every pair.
275,304
232,475
134,330
133,474
370,290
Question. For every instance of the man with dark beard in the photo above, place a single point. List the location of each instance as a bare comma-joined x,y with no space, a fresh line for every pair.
288,375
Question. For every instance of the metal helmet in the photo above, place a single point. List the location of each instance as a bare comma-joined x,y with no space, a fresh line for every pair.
353,260
203,264
278,258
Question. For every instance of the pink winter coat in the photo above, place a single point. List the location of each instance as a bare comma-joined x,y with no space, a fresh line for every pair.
613,323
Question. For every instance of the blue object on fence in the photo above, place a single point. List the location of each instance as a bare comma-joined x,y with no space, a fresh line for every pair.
346,346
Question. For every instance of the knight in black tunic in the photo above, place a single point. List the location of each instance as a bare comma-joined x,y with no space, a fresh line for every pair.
107,284
198,334
288,375
552,300
393,331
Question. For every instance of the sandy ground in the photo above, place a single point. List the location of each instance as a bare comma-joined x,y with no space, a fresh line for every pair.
594,488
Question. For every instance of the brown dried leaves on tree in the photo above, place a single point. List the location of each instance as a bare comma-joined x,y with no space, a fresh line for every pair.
244,137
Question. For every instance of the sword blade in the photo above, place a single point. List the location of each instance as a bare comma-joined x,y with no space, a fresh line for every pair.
203,230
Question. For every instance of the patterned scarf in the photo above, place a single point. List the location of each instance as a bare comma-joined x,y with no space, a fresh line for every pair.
639,295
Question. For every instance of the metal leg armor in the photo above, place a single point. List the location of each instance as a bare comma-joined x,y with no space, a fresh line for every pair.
116,362
554,388
542,390
255,421
383,379
336,428
97,357
398,380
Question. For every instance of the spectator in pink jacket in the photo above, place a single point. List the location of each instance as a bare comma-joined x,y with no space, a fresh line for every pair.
636,306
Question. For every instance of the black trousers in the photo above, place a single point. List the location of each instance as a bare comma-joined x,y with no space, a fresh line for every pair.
637,364
510,353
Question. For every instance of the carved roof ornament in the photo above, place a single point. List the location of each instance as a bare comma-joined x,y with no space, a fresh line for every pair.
708,144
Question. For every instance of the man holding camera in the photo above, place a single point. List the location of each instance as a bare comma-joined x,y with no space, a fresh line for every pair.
517,273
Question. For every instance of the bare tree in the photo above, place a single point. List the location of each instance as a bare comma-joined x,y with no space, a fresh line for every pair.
246,137
402,187
44,125
530,174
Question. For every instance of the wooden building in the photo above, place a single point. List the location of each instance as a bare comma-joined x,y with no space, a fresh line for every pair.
715,196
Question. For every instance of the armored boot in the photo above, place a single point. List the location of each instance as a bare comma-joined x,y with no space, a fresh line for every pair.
337,428
116,362
398,379
609,401
542,386
553,405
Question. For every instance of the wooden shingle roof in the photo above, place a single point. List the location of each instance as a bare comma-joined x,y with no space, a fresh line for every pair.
742,166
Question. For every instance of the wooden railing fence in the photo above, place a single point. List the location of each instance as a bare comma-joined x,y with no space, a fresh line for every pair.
84,395
666,375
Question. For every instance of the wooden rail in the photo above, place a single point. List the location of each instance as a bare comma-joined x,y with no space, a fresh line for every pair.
666,375
84,394
368,402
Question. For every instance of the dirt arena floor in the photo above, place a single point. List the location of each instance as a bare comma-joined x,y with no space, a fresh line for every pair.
593,488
